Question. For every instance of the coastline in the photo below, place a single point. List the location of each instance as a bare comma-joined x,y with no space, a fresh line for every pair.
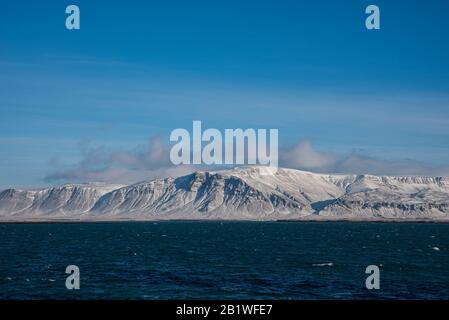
300,220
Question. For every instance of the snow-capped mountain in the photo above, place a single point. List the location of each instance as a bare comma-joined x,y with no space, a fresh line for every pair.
243,193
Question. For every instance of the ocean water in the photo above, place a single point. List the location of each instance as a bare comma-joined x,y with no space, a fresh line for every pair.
224,260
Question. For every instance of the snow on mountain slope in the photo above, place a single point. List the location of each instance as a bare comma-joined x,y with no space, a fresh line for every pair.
242,193
70,199
393,197
239,193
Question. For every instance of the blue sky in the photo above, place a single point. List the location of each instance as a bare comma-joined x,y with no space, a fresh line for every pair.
139,69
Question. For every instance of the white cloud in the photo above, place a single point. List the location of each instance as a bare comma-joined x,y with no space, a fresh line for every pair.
303,156
122,166
130,166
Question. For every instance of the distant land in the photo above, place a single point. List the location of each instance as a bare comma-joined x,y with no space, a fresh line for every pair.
247,193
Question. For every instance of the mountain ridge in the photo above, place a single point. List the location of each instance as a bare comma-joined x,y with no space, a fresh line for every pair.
247,193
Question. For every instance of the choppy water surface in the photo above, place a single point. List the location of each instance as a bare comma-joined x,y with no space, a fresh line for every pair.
224,260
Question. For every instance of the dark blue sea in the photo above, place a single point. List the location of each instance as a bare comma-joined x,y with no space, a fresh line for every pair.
224,260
